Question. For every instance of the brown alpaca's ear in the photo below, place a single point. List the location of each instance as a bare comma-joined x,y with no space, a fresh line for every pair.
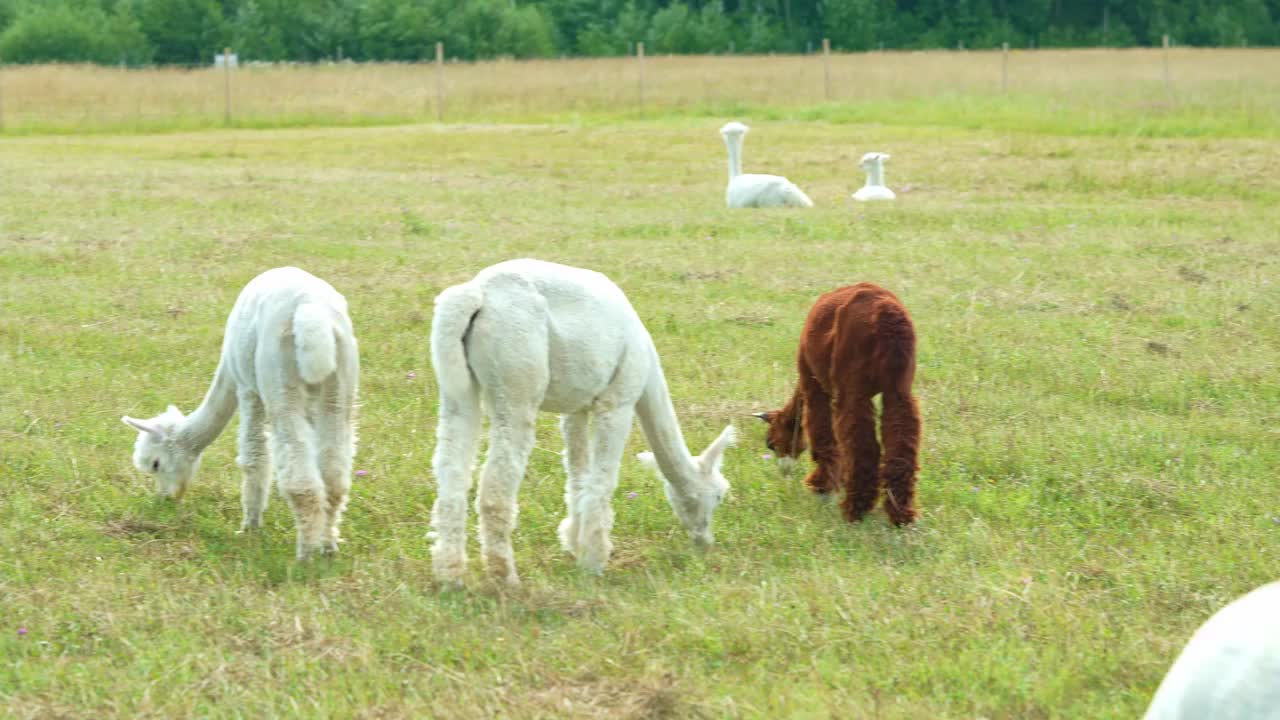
765,416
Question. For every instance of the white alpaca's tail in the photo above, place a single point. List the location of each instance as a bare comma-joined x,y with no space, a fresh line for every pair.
455,308
314,343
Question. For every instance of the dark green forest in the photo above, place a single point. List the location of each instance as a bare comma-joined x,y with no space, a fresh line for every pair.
188,32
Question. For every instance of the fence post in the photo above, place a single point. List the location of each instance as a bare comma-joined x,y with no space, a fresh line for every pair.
640,61
826,69
226,85
439,82
1168,83
1004,67
1,95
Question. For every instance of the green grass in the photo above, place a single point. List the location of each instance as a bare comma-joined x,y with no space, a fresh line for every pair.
1098,334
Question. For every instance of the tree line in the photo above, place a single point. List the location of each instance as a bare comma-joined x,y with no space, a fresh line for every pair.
188,32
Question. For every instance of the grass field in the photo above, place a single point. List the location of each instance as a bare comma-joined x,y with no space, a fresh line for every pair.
1098,371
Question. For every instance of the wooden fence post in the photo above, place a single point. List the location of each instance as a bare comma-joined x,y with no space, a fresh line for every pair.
826,69
226,85
640,61
1168,82
439,82
1004,67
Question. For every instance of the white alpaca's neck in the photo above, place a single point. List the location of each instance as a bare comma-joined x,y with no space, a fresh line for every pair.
734,143
662,430
875,175
206,422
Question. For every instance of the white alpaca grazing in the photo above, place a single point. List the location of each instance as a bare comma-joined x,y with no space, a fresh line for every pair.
1230,669
524,336
873,164
756,190
290,362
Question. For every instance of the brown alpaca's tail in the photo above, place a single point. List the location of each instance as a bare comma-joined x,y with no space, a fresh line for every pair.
900,421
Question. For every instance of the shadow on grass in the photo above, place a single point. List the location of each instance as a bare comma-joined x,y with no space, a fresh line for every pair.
196,537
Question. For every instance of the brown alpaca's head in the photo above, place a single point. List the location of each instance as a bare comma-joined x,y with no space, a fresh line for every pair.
785,435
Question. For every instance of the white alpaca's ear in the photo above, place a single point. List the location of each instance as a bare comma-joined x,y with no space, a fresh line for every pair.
143,426
648,460
714,454
173,410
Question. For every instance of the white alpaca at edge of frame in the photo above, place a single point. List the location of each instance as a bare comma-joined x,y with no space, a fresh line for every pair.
524,336
290,363
873,164
755,190
1230,669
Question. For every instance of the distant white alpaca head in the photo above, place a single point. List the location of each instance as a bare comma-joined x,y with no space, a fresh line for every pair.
157,452
696,504
733,130
873,160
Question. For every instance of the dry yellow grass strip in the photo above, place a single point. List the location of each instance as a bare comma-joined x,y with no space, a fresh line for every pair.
67,97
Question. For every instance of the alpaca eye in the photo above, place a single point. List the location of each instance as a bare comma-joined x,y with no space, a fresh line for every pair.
155,465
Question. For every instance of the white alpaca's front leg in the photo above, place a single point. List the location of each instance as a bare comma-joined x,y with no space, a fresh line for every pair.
254,461
510,442
457,437
595,501
577,466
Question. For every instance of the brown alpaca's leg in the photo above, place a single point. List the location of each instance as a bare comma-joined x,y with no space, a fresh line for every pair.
822,444
901,430
856,431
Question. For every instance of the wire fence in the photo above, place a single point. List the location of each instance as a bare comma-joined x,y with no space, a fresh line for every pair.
85,98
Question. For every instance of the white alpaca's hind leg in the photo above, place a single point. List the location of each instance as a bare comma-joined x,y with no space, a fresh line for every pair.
298,478
254,460
511,440
457,437
595,501
336,435
577,466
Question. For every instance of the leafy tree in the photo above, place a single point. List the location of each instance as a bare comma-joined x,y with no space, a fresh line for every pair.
673,30
68,33
394,30
490,28
188,31
7,14
183,32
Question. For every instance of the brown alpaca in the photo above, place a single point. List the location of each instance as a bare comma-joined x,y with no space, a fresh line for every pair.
858,342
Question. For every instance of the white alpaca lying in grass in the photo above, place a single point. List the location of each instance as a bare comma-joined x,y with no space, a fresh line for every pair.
753,190
289,361
525,336
1230,669
874,189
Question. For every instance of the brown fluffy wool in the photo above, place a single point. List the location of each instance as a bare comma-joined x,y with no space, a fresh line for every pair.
858,342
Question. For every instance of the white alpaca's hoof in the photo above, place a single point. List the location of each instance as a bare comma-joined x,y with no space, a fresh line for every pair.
502,569
567,532
306,554
449,567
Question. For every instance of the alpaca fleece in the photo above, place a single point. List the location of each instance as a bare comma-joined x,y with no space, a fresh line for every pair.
525,336
858,342
290,364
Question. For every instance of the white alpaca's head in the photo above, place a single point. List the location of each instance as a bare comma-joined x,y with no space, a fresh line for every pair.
157,452
733,133
733,130
696,506
873,161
